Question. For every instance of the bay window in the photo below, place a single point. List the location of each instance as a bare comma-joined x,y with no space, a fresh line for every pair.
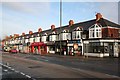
53,36
65,35
76,34
44,37
95,31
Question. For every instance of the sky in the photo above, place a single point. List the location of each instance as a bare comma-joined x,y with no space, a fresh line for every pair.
17,17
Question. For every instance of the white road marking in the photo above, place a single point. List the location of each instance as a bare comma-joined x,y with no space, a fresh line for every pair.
5,70
9,67
12,69
16,71
28,76
22,73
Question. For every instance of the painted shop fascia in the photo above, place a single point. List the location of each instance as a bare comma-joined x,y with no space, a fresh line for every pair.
98,37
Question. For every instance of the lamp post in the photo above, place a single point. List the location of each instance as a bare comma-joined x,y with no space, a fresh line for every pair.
60,25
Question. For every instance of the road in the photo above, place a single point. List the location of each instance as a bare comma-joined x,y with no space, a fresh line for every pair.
37,66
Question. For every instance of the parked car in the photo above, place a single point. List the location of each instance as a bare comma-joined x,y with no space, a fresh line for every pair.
13,51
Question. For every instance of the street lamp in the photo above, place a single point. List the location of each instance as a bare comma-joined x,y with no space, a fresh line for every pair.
60,25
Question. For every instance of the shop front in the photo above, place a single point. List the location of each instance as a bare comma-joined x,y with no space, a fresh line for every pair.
51,47
25,48
101,48
61,47
38,48
74,47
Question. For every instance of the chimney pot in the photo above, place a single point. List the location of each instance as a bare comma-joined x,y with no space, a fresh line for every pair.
30,32
23,34
98,16
71,22
52,27
39,30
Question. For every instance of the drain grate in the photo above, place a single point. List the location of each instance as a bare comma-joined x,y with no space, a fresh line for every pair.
34,67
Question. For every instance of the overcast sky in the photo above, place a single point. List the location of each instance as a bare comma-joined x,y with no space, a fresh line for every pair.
17,16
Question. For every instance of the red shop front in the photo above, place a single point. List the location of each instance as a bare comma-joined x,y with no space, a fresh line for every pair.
38,48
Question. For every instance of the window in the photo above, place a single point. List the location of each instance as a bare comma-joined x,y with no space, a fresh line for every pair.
50,37
76,34
95,31
65,35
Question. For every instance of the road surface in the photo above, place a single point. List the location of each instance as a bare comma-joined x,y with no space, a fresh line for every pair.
37,66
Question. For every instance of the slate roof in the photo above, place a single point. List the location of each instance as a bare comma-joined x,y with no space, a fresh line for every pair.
85,25
105,22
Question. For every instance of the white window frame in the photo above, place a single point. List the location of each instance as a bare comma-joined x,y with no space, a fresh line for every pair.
93,30
66,35
77,32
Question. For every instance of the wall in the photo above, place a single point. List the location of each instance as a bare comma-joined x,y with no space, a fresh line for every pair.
110,32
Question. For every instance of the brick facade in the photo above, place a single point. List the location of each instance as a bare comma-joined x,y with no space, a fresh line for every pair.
110,32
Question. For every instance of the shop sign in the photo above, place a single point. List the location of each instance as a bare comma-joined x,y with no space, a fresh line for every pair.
75,46
74,41
86,42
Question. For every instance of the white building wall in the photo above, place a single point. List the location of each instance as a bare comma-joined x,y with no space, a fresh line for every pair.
44,38
37,39
31,40
53,37
26,40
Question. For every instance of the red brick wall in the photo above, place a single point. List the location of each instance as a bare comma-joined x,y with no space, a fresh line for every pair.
110,32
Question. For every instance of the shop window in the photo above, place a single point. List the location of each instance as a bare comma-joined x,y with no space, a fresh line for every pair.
52,48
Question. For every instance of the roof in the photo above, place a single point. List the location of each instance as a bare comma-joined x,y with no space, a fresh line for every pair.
105,22
85,25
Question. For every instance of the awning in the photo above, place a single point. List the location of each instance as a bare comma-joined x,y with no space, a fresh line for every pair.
38,44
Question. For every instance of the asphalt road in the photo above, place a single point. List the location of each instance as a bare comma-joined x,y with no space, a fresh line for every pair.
63,67
11,73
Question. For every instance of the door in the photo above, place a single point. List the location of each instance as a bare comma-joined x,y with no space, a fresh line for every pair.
111,50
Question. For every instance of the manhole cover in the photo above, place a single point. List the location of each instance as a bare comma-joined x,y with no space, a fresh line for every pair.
35,67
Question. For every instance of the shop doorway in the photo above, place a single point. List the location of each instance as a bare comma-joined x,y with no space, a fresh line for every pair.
111,50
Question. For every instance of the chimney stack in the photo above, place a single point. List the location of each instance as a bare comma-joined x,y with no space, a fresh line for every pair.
30,32
71,22
23,34
10,36
98,16
52,27
6,37
39,30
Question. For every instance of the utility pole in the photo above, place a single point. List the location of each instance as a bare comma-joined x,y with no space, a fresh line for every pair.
60,25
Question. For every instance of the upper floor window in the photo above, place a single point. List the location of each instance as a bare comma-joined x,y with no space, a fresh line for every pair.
44,37
95,31
76,34
53,32
65,31
65,35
